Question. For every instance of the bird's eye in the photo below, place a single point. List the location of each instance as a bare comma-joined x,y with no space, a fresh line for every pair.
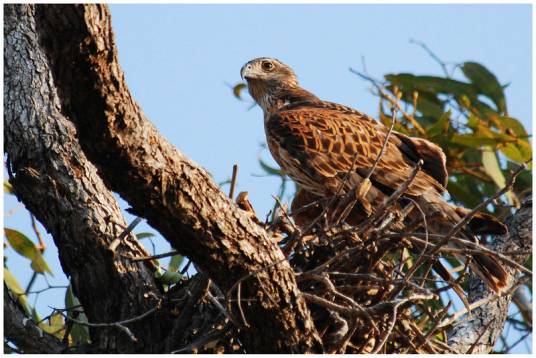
267,65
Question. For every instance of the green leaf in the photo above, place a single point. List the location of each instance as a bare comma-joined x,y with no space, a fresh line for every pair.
79,332
175,263
270,170
492,168
514,125
237,90
12,283
431,84
472,141
486,83
167,277
144,235
440,127
55,327
25,247
461,194
8,188
516,152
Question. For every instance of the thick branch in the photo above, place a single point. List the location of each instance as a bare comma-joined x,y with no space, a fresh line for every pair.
490,317
176,196
51,175
23,331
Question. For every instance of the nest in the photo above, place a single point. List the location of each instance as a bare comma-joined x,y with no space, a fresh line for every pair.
370,289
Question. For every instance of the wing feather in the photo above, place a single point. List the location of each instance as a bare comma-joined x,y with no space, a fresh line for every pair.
325,138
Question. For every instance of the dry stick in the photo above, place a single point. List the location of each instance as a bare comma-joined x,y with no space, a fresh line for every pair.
294,227
477,248
379,307
117,240
233,181
238,302
395,196
435,323
467,218
324,278
475,305
119,325
203,341
42,245
146,258
387,333
393,101
420,336
366,180
217,304
472,213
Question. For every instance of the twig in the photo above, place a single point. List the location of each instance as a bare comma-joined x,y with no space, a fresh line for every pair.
393,101
473,306
485,203
433,55
203,341
397,194
146,258
119,325
117,240
385,335
350,199
42,246
239,304
233,181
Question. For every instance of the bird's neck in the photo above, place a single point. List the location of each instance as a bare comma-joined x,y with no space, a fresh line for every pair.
272,98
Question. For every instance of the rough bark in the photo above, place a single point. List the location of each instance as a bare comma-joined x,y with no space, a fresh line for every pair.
487,321
53,178
175,195
61,68
24,332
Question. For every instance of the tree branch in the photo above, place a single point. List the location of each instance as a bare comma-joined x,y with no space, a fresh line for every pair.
175,195
52,176
24,332
479,332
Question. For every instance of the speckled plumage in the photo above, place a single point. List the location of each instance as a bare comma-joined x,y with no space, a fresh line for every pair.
328,149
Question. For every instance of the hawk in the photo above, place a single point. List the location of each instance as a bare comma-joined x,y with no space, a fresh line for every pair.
329,149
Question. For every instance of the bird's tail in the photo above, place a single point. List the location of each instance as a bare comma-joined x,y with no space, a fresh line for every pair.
442,217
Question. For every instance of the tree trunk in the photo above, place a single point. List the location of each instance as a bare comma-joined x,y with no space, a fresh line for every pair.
73,134
176,196
478,333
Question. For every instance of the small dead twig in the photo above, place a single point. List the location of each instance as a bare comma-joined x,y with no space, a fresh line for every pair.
146,258
239,304
391,100
360,190
128,230
42,246
121,325
391,199
233,181
462,223
385,335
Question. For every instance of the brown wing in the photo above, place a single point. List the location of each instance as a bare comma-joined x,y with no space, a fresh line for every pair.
435,161
316,144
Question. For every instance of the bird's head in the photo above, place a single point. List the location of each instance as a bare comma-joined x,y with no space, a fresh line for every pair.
267,78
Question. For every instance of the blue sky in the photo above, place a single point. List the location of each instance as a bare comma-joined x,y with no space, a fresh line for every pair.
179,60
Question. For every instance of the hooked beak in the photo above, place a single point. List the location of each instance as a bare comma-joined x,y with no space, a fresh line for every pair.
245,71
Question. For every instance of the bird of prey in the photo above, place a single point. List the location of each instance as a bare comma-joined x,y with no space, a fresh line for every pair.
329,149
